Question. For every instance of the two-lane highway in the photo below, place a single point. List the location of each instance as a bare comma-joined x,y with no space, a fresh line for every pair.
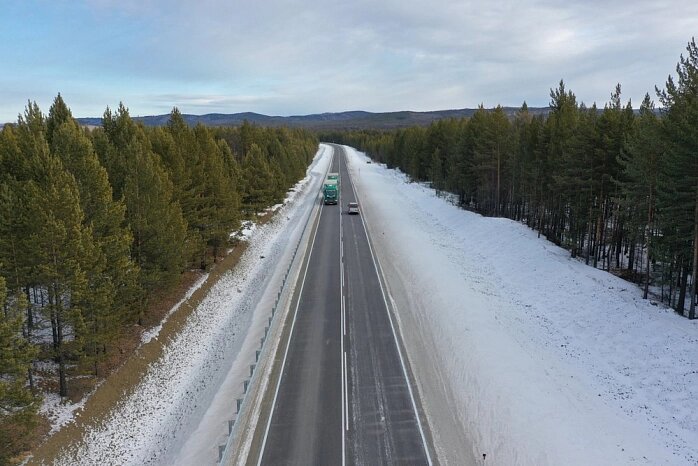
343,395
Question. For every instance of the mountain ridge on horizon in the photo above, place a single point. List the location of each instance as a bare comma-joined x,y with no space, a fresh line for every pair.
352,119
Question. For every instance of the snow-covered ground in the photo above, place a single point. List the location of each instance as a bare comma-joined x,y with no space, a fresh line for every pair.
178,413
155,331
521,353
58,412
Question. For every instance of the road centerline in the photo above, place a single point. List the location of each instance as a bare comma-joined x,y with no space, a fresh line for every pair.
342,354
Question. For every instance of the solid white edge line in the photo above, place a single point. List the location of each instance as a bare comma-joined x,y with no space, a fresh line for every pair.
392,326
346,389
290,336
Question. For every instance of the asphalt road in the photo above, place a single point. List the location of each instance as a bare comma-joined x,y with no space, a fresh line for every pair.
344,397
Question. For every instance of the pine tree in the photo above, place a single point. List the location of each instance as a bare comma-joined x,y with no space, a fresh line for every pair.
491,147
112,275
155,219
257,181
522,158
232,169
614,125
436,174
18,406
62,245
179,155
560,129
58,114
678,187
16,223
641,164
219,205
51,221
16,249
110,143
460,177
153,214
13,162
248,136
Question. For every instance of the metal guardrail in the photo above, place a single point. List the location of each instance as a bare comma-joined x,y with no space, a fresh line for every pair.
240,406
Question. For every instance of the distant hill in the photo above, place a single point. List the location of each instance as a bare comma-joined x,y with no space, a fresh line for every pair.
325,121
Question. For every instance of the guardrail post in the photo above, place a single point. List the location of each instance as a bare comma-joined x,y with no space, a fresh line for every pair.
245,384
239,403
252,366
230,426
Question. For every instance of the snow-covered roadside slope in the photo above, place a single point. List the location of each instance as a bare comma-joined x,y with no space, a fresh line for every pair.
156,422
541,359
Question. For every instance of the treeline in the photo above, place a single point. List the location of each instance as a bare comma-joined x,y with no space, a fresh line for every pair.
97,221
616,187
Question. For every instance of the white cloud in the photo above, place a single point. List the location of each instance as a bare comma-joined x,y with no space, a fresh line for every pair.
284,56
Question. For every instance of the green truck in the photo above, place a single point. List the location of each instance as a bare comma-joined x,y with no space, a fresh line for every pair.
330,191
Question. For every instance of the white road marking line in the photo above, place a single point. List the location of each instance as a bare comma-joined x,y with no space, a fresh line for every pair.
346,389
342,354
344,323
392,326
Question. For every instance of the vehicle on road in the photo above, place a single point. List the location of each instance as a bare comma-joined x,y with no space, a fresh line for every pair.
353,208
330,192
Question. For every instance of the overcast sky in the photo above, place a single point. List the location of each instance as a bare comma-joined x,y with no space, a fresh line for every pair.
286,57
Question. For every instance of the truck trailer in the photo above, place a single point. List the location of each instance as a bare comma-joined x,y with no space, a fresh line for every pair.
330,191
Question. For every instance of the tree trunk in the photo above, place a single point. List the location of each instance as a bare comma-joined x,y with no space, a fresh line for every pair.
63,389
619,239
496,198
30,378
681,304
54,322
694,272
648,240
30,314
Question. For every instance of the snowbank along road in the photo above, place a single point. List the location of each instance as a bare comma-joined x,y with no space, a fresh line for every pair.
521,353
344,396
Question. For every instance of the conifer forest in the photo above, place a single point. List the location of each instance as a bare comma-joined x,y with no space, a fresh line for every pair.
97,221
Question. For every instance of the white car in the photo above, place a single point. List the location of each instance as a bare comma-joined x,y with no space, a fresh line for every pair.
353,208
